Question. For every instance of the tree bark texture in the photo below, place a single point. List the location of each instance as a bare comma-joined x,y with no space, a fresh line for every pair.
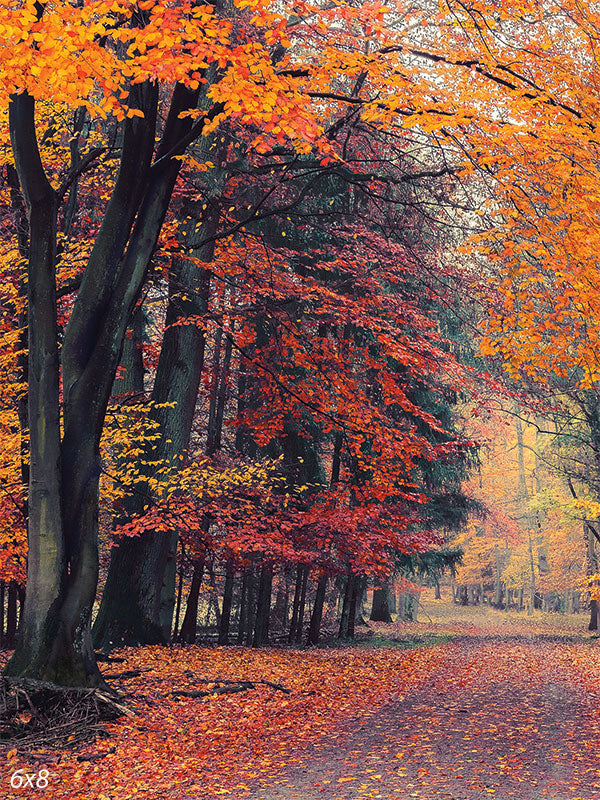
187,632
317,613
130,611
263,607
380,610
55,639
224,622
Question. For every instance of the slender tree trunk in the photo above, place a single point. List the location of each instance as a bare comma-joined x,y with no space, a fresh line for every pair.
302,606
357,590
593,625
213,598
218,398
317,612
178,605
286,602
263,608
21,595
531,602
296,604
337,458
523,496
213,605
279,614
189,625
411,605
343,629
498,579
592,569
227,603
251,612
167,591
244,607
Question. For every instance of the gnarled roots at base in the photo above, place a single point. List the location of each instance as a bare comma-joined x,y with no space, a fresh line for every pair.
37,713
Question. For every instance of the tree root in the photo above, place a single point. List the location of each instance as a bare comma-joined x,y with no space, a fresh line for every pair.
109,659
225,686
128,673
37,713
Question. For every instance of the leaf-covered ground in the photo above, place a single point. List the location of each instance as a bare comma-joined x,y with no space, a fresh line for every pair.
507,710
222,745
502,718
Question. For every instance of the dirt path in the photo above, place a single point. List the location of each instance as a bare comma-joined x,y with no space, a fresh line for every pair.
506,717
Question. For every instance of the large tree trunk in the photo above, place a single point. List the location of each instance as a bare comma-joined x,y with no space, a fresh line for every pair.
55,639
48,648
380,610
407,607
130,610
90,356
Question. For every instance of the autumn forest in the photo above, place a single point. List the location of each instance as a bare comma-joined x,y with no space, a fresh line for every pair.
299,399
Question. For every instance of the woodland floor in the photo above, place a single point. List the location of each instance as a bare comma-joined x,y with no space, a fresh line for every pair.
506,708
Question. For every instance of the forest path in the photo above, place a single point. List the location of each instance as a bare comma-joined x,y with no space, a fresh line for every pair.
512,717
